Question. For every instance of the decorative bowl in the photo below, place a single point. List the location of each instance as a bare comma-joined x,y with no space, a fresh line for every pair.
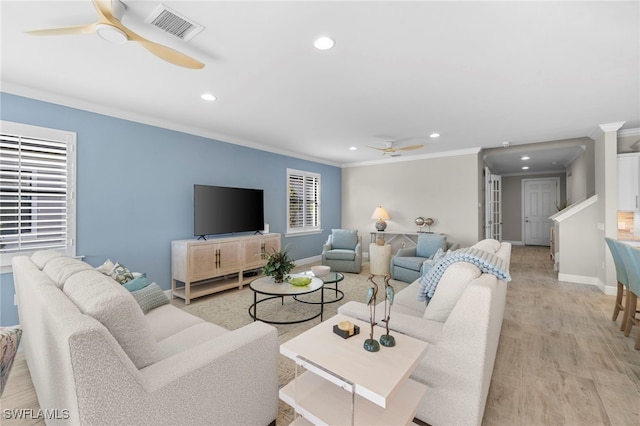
320,270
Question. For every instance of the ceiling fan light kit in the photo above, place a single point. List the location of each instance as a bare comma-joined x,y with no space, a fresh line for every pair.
111,34
110,28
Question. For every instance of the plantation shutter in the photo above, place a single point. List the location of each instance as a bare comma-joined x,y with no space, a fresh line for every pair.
303,201
35,189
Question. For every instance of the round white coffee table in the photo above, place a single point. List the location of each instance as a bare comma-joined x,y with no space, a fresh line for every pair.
268,287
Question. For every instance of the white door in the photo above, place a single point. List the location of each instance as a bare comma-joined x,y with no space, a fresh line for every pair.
540,197
493,206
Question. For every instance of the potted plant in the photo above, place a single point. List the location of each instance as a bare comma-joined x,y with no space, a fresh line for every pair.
278,265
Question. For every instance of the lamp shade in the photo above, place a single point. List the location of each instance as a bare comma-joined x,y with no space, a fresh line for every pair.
380,213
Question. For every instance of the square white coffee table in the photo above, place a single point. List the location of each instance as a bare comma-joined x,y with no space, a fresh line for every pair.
346,384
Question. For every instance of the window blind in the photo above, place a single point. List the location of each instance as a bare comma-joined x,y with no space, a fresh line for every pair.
34,192
303,201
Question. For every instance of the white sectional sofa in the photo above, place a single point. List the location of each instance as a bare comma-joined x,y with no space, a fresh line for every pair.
95,358
462,323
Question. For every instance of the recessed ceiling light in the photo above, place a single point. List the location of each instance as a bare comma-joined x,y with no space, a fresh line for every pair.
525,157
324,43
525,168
208,97
353,148
434,135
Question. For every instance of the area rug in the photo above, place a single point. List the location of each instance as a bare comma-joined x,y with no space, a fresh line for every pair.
229,309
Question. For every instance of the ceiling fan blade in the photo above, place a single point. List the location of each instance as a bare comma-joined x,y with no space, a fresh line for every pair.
80,29
407,148
384,150
104,10
173,56
165,52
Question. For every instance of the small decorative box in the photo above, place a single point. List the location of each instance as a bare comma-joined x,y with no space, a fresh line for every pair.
345,334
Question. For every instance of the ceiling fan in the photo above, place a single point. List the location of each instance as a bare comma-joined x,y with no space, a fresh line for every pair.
390,147
110,28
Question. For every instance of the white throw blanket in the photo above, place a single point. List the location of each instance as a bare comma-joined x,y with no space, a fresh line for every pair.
485,261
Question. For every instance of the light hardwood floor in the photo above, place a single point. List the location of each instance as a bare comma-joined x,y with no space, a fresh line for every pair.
561,360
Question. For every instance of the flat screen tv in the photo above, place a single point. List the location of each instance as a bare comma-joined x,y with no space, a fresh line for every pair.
225,210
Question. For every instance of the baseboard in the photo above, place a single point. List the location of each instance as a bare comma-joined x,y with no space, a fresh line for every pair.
579,279
514,243
309,260
594,281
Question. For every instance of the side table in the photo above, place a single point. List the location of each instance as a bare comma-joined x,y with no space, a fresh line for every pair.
379,259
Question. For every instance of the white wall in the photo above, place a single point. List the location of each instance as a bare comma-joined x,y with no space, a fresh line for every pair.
583,255
443,188
577,179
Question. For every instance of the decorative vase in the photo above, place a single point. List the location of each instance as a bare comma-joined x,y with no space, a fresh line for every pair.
278,279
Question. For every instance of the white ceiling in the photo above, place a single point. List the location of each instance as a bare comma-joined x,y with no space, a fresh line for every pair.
478,73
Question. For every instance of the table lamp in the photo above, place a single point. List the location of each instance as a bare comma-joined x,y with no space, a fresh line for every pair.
379,215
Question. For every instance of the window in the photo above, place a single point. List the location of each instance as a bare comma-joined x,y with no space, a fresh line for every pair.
303,202
37,185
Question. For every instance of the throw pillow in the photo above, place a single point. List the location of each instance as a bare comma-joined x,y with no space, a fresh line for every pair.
121,274
439,254
344,239
428,264
428,244
137,283
106,267
150,297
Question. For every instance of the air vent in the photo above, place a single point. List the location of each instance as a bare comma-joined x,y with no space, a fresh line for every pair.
173,23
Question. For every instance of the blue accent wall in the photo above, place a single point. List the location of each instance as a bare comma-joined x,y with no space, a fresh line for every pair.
135,188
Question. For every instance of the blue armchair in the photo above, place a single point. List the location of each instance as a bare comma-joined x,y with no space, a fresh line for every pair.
343,251
410,263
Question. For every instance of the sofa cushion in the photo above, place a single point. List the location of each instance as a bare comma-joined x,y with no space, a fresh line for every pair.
105,300
428,244
413,263
344,239
339,254
189,338
488,245
453,282
167,320
406,301
41,257
59,269
150,297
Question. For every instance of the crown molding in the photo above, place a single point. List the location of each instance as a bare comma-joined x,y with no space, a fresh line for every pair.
629,133
71,102
389,160
604,128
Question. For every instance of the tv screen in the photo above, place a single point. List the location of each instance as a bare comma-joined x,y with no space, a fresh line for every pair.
224,210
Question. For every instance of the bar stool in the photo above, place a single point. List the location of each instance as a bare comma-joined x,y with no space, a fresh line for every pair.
632,263
623,281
